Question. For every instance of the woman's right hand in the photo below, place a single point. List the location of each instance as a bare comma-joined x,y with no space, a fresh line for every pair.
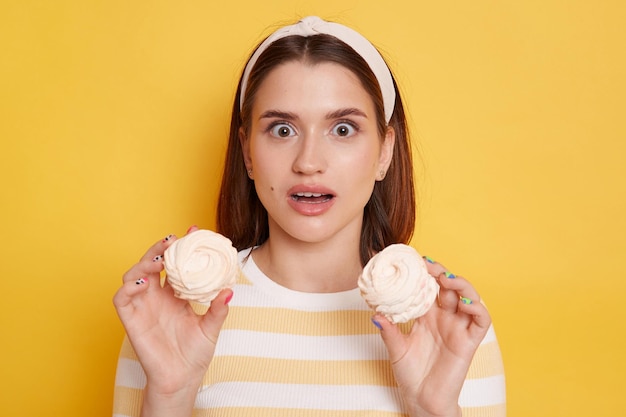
174,345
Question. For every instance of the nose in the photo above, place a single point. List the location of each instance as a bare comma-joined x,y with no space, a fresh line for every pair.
310,157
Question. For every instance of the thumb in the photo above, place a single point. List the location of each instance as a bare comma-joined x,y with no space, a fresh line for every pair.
393,338
215,316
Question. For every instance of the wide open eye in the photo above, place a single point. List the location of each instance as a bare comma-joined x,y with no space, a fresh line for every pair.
282,130
344,129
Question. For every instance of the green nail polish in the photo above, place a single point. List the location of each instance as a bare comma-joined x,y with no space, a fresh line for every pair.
429,259
466,300
449,275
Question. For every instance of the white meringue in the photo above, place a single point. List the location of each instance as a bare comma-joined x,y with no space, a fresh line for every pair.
200,265
396,283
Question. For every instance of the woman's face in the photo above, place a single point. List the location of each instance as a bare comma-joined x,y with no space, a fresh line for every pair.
314,151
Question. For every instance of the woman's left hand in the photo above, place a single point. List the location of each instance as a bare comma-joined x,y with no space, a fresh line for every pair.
431,362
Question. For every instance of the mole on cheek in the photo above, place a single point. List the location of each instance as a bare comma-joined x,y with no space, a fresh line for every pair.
271,188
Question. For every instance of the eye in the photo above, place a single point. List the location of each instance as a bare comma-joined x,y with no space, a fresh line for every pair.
344,129
282,130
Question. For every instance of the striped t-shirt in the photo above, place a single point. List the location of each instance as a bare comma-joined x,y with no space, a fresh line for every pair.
287,353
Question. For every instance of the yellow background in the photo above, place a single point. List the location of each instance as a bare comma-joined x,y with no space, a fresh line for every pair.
113,123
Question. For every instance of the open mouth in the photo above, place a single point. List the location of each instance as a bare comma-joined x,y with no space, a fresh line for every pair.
311,198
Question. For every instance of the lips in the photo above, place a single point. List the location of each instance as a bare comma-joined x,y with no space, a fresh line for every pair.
310,200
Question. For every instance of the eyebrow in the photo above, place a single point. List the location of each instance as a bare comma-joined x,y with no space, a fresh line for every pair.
337,114
277,114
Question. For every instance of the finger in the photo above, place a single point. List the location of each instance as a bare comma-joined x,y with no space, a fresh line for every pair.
150,268
445,299
215,316
159,247
433,267
481,319
458,286
128,292
448,299
392,336
192,229
151,263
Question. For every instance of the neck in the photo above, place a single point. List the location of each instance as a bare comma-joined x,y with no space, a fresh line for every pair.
326,267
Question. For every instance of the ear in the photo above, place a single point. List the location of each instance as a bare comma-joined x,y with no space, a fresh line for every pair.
386,152
245,149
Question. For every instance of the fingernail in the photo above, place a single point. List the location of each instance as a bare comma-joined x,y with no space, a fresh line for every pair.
191,227
230,297
449,275
429,259
377,324
157,258
168,237
466,300
140,281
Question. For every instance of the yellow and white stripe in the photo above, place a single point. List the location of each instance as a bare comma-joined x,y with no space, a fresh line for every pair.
287,353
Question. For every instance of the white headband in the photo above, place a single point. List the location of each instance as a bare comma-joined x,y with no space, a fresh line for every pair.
313,25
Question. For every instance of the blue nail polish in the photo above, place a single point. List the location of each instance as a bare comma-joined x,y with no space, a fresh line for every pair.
449,275
377,324
466,300
429,259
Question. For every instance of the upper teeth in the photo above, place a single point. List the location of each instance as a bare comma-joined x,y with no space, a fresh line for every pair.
309,194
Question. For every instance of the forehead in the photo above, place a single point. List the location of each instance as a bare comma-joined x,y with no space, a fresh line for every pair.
321,87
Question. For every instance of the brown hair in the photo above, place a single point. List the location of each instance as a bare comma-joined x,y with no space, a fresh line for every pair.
389,215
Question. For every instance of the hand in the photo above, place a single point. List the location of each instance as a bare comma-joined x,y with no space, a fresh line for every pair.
431,362
174,345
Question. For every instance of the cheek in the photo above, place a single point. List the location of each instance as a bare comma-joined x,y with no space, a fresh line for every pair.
364,163
266,177
270,166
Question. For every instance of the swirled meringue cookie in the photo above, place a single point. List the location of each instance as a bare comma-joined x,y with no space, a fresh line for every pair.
200,265
396,284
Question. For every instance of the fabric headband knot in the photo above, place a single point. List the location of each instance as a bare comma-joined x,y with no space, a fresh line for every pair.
313,25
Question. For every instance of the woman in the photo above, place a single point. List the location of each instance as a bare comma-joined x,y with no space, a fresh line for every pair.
318,179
